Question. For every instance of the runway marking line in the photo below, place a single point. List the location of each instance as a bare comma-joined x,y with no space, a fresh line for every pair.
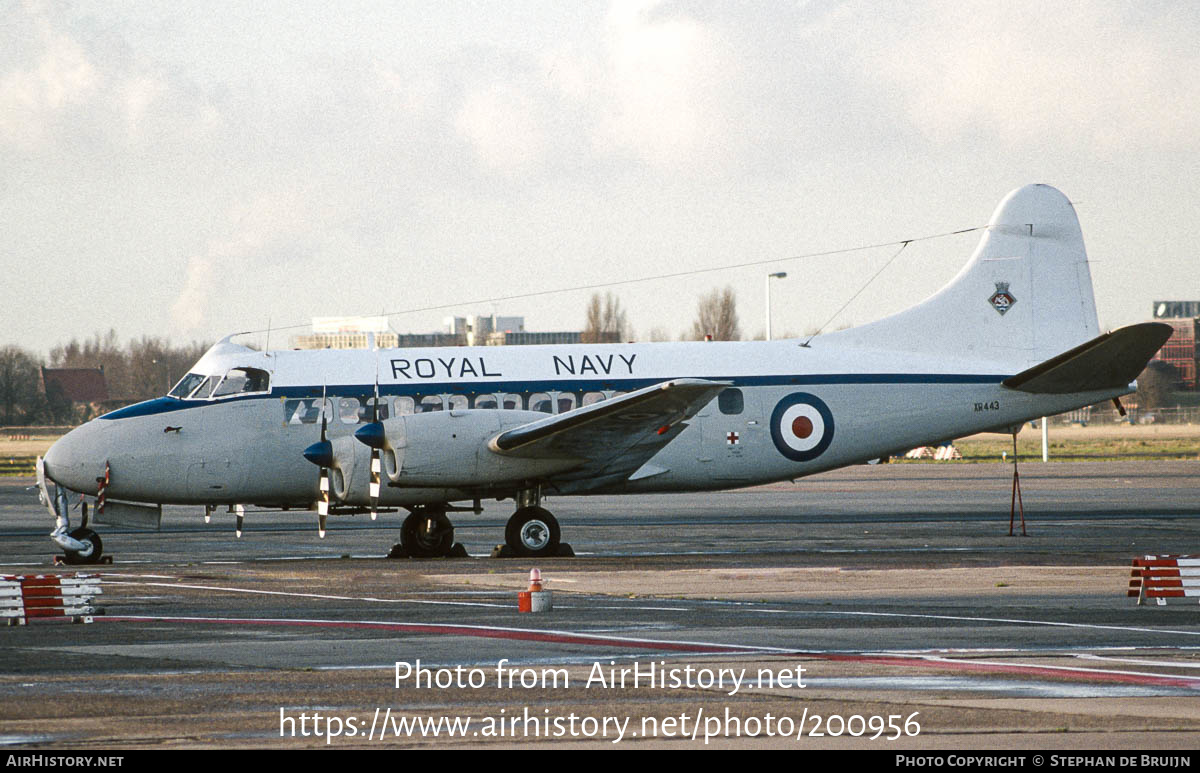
567,637
750,607
487,632
327,596
1137,662
961,618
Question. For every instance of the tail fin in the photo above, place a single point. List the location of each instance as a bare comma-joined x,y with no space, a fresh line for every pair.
1024,297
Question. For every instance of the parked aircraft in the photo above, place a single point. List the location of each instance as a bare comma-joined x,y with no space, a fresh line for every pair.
1014,336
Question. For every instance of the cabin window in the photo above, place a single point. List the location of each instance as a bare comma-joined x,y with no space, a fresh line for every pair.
429,404
566,402
511,402
731,402
303,411
405,406
487,402
348,410
186,385
540,401
364,409
592,397
240,381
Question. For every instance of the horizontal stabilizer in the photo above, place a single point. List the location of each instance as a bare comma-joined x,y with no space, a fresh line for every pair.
1110,361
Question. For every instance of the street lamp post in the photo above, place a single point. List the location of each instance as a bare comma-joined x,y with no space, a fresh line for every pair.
776,275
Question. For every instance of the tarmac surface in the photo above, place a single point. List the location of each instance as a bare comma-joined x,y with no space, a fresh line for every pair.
892,593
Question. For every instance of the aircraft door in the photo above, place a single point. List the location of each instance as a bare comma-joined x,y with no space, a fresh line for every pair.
217,472
732,435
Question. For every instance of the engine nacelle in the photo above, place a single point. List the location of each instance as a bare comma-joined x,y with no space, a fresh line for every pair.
350,473
450,448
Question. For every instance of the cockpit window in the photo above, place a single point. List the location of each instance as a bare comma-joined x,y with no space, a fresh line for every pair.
243,381
186,385
205,389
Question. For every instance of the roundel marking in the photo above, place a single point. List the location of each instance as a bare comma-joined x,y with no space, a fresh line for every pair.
802,426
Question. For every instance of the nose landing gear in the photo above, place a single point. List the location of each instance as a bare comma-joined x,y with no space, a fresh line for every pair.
81,546
93,548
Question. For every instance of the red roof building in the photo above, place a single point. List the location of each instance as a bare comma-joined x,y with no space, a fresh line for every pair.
78,385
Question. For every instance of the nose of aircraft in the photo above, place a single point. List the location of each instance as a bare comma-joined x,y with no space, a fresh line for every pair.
76,459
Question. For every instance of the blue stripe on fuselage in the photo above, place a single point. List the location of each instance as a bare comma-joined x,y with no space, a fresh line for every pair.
431,387
167,405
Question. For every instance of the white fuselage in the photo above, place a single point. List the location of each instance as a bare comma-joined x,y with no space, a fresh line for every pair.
789,411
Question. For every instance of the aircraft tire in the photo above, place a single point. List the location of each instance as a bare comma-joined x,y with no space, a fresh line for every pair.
418,543
533,532
75,557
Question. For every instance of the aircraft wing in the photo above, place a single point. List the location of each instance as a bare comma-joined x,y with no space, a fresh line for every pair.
613,438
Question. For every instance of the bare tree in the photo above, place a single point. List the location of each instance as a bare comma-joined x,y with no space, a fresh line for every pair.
716,316
97,352
606,321
144,368
155,365
20,396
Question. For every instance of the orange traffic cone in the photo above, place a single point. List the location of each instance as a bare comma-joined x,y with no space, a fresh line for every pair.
535,599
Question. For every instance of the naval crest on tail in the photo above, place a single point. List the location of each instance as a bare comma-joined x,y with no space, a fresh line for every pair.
1002,300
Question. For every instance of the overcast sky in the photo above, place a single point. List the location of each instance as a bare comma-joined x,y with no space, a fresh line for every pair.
191,169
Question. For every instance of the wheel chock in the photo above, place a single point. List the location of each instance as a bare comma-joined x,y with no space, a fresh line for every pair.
504,551
456,551
61,560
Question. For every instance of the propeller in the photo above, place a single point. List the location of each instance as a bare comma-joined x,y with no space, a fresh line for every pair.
374,437
376,461
321,454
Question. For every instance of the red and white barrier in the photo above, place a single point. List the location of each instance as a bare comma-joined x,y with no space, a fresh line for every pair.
1165,577
48,596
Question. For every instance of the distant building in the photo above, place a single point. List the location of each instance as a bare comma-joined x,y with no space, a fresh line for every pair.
1180,349
504,338
475,330
76,385
1176,309
344,341
69,389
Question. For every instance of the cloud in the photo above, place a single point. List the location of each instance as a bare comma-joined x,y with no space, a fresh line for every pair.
269,231
60,77
668,79
1026,73
501,124
68,85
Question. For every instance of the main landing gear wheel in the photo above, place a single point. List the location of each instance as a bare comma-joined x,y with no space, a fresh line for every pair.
92,552
427,534
533,531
